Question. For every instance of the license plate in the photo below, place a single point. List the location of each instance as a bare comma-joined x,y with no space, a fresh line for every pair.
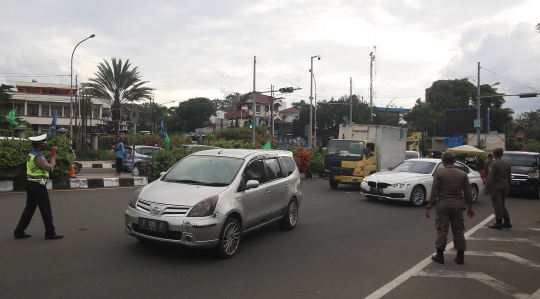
515,183
154,225
375,190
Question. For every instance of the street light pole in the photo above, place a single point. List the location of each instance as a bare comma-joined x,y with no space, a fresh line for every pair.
310,143
478,109
315,116
71,86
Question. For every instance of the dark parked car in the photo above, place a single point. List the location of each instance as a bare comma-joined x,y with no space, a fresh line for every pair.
524,172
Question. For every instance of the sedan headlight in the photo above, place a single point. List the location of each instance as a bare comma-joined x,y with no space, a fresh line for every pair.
204,208
134,198
532,175
400,185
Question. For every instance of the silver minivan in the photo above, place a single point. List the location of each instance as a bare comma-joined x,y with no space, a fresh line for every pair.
211,198
143,154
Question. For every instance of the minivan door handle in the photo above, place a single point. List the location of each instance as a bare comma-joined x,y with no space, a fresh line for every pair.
267,192
287,186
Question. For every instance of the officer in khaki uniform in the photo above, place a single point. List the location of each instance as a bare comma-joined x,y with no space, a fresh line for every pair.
451,192
498,185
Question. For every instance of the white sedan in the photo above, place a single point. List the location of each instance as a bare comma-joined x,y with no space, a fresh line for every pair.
411,180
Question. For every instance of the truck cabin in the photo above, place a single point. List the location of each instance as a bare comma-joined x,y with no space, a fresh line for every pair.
350,148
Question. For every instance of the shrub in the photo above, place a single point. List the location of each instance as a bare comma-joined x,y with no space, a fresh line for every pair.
13,155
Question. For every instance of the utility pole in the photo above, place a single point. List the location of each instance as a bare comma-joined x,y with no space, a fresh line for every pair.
254,106
478,110
372,57
272,110
350,108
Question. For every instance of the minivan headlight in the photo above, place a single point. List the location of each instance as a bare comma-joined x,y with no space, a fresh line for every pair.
204,208
532,174
134,198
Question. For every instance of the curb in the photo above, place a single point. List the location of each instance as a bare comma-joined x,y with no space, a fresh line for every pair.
90,165
64,184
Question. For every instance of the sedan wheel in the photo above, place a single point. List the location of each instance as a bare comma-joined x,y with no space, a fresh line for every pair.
229,239
418,195
289,220
474,193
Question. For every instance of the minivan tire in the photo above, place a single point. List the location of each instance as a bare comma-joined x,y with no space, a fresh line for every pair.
229,238
290,219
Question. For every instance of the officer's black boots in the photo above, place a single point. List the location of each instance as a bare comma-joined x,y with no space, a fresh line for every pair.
460,257
506,223
498,224
439,257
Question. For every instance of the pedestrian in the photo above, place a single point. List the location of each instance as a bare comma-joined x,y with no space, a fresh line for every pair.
497,186
119,153
451,192
429,154
237,145
37,173
487,163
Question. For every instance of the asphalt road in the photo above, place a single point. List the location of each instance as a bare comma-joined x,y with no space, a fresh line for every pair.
343,247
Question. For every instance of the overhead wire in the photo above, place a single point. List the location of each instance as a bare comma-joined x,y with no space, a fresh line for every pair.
278,75
510,79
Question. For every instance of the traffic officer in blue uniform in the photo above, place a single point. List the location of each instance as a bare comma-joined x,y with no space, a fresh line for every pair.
37,173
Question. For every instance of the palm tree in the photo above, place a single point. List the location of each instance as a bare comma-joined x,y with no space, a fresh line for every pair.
117,84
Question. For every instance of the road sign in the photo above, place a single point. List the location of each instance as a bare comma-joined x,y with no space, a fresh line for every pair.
134,114
452,142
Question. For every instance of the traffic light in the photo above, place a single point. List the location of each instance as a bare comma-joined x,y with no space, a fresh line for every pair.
286,90
250,125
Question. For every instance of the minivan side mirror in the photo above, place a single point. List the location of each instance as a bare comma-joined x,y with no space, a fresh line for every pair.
252,184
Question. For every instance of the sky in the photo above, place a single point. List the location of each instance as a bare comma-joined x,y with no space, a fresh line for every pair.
188,49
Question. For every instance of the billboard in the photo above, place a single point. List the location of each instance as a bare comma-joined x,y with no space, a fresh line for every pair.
461,121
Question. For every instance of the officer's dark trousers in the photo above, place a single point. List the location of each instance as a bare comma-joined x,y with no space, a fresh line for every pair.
445,218
37,196
498,198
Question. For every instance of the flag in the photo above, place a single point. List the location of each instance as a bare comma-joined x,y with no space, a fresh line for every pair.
167,141
162,130
53,124
11,118
267,145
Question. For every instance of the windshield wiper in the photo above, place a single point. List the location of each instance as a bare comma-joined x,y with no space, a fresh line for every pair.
187,181
217,184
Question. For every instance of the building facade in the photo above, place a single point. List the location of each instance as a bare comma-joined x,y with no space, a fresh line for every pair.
36,102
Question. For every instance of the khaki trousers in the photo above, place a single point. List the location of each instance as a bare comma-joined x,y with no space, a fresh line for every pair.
498,198
446,218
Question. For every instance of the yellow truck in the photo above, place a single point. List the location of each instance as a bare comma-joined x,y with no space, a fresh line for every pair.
361,151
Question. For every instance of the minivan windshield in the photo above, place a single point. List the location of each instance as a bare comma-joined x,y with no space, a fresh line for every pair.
520,160
345,147
204,170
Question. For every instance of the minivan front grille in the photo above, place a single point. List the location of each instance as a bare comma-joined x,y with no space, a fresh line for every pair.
165,210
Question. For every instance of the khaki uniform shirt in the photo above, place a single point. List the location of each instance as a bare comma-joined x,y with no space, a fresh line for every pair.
451,188
499,174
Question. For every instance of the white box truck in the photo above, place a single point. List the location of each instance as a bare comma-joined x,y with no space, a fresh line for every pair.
361,151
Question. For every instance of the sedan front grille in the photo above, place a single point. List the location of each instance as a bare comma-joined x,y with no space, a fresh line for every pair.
378,185
165,210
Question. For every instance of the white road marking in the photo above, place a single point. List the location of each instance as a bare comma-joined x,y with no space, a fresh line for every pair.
507,240
481,277
506,255
536,295
411,272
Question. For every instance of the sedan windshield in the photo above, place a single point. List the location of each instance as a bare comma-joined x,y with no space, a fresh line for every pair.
205,170
415,167
520,160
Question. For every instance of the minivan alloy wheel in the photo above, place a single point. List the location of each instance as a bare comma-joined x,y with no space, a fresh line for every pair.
229,240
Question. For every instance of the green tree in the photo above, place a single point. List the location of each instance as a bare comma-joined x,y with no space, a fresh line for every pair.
450,94
423,118
531,120
117,84
196,112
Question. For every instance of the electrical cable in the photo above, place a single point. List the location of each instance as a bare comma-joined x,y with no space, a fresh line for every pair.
510,79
